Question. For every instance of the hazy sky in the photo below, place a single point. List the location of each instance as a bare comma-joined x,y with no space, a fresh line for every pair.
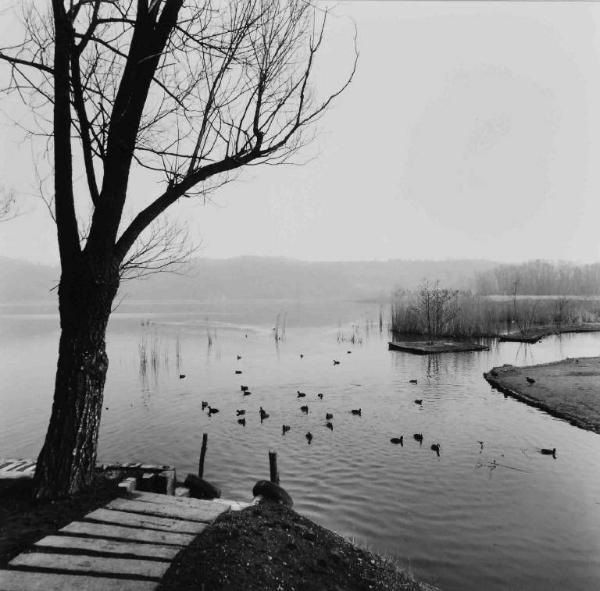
471,130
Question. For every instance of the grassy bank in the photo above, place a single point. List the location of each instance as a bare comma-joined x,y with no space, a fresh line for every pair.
464,315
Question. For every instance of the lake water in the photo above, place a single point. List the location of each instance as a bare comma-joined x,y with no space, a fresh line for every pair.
495,516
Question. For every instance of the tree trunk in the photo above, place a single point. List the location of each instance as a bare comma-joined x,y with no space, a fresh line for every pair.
67,460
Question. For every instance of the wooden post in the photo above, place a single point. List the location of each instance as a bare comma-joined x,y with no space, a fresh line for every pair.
273,467
202,454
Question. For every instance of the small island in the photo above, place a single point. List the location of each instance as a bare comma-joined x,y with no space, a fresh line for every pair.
568,389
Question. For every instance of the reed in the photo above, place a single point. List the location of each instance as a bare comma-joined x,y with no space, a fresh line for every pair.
472,316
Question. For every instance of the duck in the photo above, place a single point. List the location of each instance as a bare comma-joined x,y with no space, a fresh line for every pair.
412,381
181,376
240,412
530,380
357,411
348,352
204,404
320,395
418,437
301,356
263,414
247,393
309,437
548,452
419,401
212,410
436,448
243,388
238,371
329,425
300,394
242,422
304,408
328,416
336,362
238,357
285,429
397,440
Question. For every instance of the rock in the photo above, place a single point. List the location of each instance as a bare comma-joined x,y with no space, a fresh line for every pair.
272,492
200,488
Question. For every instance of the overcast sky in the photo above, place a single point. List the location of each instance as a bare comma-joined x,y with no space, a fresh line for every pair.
471,130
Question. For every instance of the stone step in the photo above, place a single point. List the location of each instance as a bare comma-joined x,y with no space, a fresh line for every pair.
92,564
205,513
109,546
17,580
146,521
133,534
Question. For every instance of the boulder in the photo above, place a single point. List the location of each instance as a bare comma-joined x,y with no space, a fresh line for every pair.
272,492
200,488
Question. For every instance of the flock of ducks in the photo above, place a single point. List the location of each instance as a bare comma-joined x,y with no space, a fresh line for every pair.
418,437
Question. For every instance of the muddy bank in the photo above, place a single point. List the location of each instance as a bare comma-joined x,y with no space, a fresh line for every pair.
437,346
536,334
269,547
568,389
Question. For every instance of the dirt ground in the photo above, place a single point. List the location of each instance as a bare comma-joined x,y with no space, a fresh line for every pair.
269,547
568,389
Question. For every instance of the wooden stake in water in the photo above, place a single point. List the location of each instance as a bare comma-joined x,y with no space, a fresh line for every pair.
202,454
273,467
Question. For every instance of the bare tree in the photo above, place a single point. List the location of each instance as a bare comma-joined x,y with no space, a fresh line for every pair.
8,208
187,91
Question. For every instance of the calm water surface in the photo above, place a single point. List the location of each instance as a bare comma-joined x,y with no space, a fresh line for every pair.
495,516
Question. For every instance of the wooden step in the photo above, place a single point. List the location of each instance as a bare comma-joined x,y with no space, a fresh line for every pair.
132,534
17,580
92,564
109,546
146,521
204,513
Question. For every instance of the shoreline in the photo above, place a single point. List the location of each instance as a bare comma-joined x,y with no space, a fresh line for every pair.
567,389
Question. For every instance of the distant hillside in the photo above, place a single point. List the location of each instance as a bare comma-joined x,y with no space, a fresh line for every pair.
256,277
22,281
540,278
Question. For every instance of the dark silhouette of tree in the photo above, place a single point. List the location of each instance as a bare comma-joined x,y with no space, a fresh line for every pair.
187,92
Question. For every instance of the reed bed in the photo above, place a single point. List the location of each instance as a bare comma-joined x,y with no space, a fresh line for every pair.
473,316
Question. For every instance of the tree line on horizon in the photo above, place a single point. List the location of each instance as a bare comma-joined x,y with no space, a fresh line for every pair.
540,278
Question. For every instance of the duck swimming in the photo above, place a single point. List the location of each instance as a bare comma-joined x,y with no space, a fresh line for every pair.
329,425
548,452
328,416
309,437
397,440
418,437
285,429
242,422
304,408
357,411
